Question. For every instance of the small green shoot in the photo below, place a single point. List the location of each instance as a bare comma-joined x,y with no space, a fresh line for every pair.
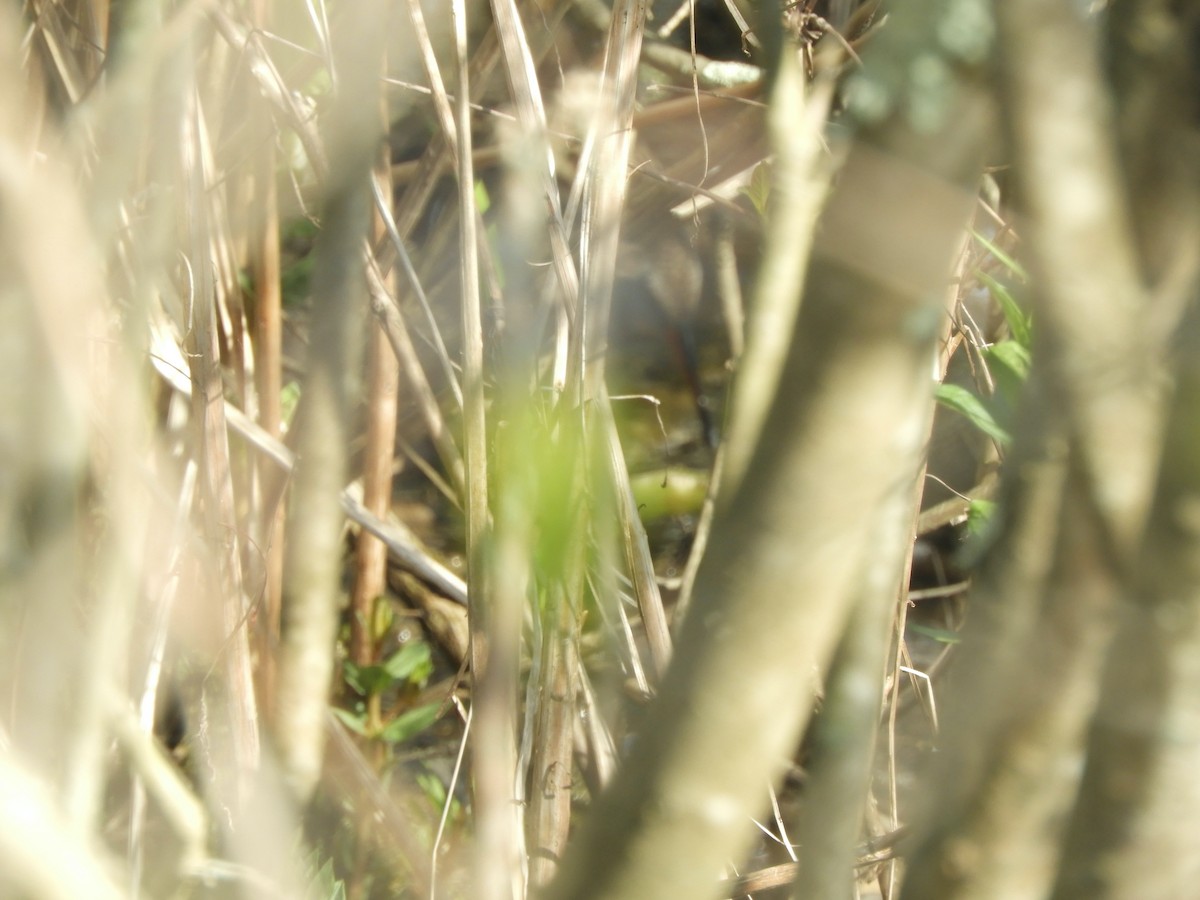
759,189
289,399
435,789
323,883
408,668
979,515
411,664
483,201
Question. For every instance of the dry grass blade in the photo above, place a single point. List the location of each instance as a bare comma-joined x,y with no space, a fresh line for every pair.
49,29
152,691
383,302
551,766
633,538
604,187
274,88
522,79
213,449
384,306
382,388
267,336
604,183
383,207
405,550
494,644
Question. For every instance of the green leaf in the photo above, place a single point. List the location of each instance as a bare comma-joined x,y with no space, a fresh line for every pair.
366,680
1012,355
433,787
967,404
353,675
356,723
1009,364
1019,323
941,635
1001,257
411,663
411,723
759,188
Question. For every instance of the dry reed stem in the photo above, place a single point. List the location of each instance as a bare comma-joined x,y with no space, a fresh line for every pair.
799,182
1084,255
382,387
212,439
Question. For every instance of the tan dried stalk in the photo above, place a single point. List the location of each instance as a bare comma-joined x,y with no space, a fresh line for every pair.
216,479
267,336
382,386
312,556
